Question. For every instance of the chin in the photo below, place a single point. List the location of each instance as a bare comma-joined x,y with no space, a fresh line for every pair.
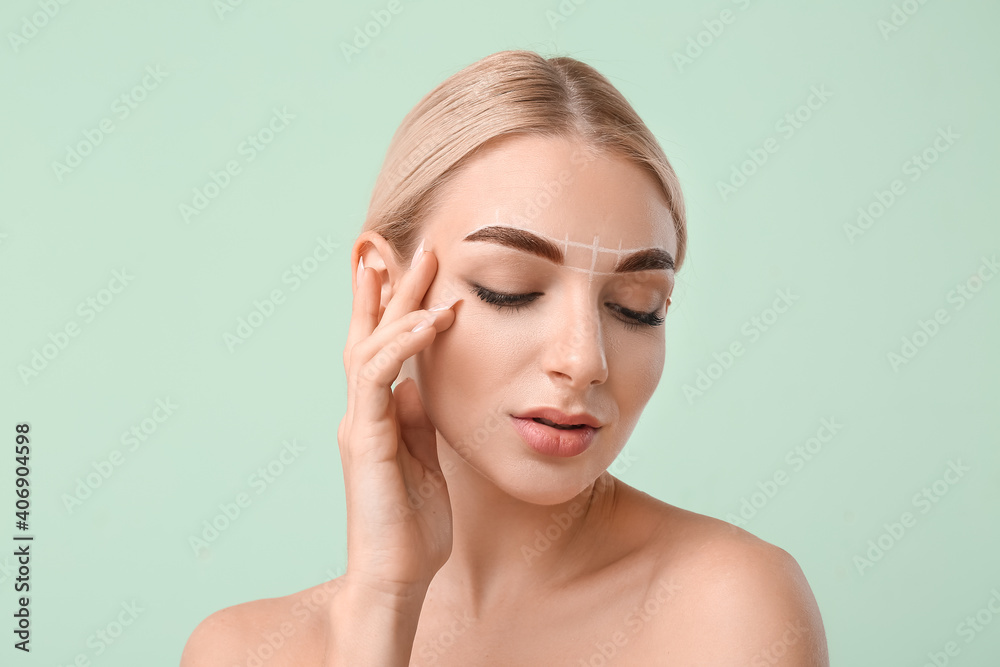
547,495
501,458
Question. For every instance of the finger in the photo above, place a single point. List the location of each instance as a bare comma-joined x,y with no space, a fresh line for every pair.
364,319
364,314
411,288
386,334
378,359
373,378
418,431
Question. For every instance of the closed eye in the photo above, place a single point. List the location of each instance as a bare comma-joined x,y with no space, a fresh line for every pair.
630,318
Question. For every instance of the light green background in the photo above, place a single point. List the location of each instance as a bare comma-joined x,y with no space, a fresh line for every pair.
162,336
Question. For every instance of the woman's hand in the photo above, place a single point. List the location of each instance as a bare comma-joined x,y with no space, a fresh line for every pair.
399,524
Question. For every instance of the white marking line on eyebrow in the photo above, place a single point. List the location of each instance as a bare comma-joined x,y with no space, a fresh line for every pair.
591,271
566,243
593,259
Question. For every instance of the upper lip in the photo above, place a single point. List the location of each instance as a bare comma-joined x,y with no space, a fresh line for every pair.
560,417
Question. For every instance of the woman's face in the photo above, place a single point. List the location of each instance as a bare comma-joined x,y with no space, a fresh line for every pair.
588,339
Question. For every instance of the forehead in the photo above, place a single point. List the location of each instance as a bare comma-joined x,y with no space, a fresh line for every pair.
596,207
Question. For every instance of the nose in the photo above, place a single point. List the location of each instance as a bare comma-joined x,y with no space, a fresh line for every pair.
574,354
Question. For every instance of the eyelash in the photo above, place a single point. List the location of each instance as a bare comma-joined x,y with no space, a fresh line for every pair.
517,301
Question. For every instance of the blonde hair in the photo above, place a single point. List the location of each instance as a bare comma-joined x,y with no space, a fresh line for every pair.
509,92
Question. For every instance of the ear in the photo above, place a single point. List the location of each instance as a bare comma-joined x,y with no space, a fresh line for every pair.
378,255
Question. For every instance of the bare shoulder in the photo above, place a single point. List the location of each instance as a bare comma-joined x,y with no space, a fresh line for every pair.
735,598
287,630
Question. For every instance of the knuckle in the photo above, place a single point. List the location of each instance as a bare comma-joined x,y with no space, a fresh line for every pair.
368,373
357,354
373,368
384,357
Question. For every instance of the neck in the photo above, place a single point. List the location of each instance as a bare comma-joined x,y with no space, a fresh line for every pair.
503,546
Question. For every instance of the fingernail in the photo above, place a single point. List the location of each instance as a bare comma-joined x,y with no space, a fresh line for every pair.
361,269
416,254
422,325
444,305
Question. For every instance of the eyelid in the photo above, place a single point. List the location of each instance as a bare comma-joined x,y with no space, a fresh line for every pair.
650,319
515,301
493,297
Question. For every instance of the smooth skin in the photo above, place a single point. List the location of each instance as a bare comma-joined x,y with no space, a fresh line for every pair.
467,547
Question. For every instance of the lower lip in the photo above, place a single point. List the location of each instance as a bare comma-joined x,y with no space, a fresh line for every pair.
553,441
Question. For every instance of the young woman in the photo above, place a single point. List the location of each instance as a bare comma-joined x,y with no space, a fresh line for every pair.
513,278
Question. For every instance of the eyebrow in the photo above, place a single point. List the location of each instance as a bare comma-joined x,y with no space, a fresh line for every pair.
645,259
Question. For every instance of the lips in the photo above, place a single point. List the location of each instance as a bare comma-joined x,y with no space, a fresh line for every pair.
559,419
555,425
554,441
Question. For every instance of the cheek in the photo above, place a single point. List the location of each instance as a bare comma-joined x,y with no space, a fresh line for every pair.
480,348
636,366
463,372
